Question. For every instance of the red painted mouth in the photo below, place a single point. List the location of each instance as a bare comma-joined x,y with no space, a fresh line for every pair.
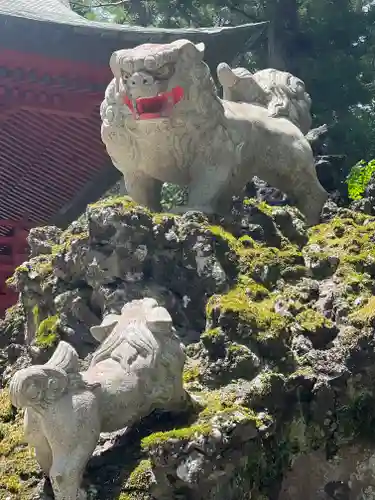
159,106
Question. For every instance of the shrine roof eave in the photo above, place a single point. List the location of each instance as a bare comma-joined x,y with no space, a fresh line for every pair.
93,42
92,191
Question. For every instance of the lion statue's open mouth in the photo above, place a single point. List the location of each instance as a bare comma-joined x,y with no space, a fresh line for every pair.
160,106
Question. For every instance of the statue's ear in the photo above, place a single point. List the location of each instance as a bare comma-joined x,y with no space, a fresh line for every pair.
101,332
226,75
159,320
201,48
114,65
189,50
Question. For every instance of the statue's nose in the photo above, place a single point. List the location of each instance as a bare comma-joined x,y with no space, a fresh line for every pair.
140,79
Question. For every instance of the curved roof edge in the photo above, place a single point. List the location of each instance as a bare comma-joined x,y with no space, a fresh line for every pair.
51,28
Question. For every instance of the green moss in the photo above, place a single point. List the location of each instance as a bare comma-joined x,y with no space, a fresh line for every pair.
213,337
36,317
20,271
135,495
365,316
236,348
219,233
358,178
349,239
253,290
317,327
19,469
265,264
256,318
191,373
294,272
185,433
163,217
215,405
312,321
123,202
140,477
212,334
247,241
6,411
48,332
67,239
261,205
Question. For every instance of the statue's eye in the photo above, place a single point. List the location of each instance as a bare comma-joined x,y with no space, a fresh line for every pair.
52,384
32,391
164,72
125,76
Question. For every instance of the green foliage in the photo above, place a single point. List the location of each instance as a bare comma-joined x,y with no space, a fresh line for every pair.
172,196
48,332
359,178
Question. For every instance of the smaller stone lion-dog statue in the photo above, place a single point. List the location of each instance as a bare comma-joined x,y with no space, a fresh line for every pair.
163,121
136,369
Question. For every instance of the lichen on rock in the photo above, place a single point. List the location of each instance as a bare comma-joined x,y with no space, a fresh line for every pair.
277,321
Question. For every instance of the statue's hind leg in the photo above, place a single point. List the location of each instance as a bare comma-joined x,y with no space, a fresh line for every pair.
296,177
211,190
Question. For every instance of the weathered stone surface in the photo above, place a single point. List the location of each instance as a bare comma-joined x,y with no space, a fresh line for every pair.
137,369
279,335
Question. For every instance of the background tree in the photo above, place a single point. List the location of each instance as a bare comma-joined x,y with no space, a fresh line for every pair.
330,44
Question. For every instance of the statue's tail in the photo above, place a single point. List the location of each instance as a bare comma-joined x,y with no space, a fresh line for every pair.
37,386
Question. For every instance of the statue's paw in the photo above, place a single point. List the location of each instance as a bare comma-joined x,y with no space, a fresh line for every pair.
82,495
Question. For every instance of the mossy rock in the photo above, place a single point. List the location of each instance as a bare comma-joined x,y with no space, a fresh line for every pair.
266,264
140,479
19,470
244,320
215,405
350,240
320,330
248,321
365,315
123,203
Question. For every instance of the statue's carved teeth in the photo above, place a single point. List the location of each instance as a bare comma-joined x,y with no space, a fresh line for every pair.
135,109
159,106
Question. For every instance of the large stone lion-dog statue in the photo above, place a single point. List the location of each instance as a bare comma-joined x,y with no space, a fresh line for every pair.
136,369
162,121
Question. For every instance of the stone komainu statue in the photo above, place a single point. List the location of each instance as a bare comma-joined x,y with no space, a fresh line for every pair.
137,368
162,121
280,92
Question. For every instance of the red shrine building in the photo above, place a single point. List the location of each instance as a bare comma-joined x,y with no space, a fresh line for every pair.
53,74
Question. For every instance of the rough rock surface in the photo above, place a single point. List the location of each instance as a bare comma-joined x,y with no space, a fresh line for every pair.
278,324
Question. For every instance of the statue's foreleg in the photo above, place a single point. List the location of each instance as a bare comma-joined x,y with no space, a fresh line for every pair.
37,440
73,434
211,189
144,189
